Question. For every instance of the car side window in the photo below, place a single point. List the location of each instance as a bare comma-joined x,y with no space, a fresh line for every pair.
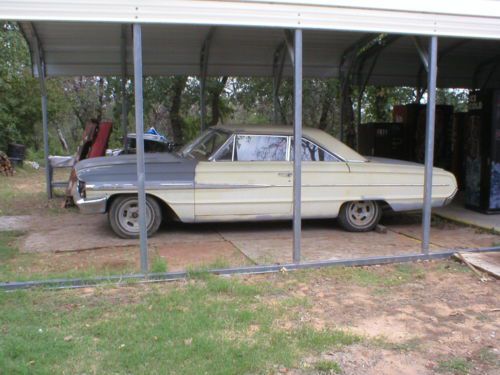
260,148
226,151
312,152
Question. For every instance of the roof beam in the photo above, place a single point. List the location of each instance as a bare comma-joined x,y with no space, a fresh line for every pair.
441,55
289,44
421,52
35,46
481,66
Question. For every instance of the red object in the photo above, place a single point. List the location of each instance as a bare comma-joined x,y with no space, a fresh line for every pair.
100,142
94,144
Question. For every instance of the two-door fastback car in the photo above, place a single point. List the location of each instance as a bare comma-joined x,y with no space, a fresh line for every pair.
245,173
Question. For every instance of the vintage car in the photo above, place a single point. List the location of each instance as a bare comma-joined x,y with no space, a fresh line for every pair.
245,173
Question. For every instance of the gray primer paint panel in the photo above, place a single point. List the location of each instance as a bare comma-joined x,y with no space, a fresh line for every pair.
119,172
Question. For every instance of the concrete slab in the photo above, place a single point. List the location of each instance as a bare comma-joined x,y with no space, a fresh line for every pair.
271,243
76,232
456,211
9,223
444,234
244,243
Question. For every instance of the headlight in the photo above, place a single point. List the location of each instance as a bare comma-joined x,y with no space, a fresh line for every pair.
81,189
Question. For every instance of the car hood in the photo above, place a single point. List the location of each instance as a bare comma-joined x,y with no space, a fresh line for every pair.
122,169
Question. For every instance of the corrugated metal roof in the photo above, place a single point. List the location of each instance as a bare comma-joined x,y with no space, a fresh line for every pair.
77,48
83,37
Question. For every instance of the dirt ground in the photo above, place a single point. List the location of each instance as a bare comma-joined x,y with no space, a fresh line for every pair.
442,312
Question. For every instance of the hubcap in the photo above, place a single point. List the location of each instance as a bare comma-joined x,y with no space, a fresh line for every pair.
128,216
361,213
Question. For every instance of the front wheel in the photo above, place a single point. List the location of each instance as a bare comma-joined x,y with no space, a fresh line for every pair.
123,216
359,216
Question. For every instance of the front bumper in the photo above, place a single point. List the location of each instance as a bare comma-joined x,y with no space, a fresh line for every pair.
90,205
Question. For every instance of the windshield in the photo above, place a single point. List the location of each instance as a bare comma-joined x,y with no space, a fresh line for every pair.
205,145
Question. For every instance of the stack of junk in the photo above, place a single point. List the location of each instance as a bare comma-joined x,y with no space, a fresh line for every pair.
466,144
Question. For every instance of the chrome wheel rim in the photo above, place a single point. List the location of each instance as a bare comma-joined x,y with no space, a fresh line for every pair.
128,216
361,214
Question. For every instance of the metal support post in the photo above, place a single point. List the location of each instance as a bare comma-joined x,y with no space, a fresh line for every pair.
297,144
123,58
45,117
139,130
429,143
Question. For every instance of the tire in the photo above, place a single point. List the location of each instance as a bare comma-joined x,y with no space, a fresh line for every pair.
123,216
360,216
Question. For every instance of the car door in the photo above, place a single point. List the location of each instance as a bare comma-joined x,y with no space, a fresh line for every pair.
325,180
249,179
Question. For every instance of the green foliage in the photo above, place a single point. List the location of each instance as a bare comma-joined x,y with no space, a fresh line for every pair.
159,265
455,365
328,367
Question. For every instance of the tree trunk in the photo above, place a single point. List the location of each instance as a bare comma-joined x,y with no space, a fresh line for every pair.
64,144
381,114
175,117
215,93
325,109
100,98
348,118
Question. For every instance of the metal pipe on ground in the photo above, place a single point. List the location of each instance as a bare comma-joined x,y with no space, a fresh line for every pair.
139,130
429,143
172,276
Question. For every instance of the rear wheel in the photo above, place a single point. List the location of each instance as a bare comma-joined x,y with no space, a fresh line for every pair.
123,216
359,216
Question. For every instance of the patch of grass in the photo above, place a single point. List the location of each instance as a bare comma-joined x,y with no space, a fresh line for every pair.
24,193
159,265
212,326
456,365
321,340
489,357
328,367
374,276
8,250
201,272
451,266
384,343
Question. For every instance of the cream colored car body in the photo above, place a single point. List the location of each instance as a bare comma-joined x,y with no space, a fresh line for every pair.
262,190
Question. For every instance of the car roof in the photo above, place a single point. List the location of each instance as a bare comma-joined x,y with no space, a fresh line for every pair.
318,136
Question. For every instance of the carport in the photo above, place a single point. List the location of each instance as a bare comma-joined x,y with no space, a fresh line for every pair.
280,38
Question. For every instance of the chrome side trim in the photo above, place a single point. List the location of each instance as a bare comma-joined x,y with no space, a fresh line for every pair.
248,186
149,185
234,186
191,185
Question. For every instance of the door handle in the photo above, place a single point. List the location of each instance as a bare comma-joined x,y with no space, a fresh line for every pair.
285,174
